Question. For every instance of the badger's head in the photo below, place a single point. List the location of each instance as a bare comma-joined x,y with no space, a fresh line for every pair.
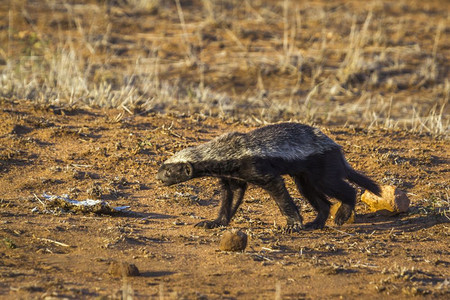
172,173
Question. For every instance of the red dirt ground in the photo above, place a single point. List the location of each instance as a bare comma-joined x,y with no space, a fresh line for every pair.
104,154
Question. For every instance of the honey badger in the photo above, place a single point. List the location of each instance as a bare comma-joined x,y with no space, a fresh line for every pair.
261,157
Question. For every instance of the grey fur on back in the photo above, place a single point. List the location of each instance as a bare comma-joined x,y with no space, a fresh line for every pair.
289,141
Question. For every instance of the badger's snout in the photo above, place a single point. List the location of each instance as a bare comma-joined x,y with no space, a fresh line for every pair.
170,174
160,176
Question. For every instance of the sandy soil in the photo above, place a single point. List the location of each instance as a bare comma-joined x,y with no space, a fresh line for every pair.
105,154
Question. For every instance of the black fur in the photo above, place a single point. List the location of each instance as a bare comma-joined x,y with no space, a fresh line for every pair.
319,170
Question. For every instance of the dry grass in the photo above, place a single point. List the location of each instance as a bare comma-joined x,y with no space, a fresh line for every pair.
340,63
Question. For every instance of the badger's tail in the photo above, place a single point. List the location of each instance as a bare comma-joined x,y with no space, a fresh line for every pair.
362,180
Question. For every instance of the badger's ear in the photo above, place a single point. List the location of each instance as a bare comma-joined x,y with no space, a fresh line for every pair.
188,169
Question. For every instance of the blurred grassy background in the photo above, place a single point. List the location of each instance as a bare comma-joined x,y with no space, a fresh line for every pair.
356,63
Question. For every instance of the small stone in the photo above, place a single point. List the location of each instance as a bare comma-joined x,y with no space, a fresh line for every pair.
392,199
233,241
123,269
179,222
334,208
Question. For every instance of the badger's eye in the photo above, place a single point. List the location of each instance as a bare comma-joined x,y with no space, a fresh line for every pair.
167,173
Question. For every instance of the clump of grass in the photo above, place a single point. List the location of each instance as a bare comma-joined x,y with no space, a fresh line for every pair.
9,243
143,6
354,65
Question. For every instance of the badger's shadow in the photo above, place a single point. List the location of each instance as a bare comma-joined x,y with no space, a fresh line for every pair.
143,215
366,223
156,273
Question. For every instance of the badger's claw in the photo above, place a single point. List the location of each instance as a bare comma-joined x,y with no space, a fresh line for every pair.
209,224
291,228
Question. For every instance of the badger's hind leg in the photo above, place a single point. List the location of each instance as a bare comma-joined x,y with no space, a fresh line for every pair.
231,197
344,192
277,190
317,200
328,177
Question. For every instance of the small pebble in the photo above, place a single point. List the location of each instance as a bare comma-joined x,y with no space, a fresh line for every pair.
123,269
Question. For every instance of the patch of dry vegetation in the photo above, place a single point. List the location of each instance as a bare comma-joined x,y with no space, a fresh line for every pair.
376,64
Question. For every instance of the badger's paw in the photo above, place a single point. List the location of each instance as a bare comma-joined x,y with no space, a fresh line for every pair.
210,224
294,227
343,214
316,224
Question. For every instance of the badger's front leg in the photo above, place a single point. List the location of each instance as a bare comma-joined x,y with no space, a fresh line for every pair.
226,199
232,193
238,187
